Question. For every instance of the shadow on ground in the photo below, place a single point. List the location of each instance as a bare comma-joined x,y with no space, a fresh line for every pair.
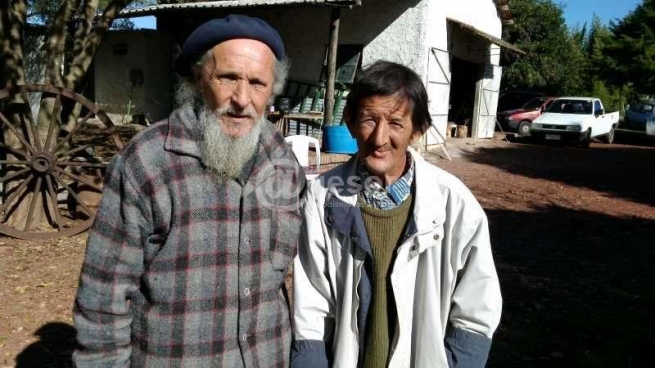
53,349
577,288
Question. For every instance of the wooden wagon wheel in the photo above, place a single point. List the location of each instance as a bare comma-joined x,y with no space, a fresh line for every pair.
56,165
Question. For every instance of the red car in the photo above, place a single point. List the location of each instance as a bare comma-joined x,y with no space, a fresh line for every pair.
519,120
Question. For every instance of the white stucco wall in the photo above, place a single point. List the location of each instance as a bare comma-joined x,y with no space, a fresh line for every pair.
35,62
397,30
388,29
148,51
437,64
403,31
454,42
392,30
481,14
35,56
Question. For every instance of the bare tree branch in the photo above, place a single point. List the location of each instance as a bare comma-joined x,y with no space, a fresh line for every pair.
57,41
82,60
12,20
84,26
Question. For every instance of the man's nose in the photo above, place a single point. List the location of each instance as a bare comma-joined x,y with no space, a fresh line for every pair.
380,135
241,95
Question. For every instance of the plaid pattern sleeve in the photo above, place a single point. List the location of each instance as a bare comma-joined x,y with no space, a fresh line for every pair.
183,269
111,271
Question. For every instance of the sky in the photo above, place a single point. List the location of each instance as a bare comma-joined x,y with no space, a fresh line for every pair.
577,12
145,22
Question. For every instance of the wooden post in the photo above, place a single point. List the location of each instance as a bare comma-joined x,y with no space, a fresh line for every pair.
332,65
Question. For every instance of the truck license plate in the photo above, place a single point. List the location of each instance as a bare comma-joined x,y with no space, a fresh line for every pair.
553,137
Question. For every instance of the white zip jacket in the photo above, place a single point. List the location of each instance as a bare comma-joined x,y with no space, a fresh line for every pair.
444,280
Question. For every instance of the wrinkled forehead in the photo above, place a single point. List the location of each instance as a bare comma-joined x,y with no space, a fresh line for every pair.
395,104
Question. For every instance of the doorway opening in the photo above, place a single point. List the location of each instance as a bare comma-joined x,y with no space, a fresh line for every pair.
465,75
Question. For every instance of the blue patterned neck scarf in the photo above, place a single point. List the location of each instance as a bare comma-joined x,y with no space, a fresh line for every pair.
393,195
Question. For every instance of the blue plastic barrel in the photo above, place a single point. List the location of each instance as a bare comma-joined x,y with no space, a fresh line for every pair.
339,140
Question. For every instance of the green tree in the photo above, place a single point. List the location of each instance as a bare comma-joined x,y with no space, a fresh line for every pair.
554,62
630,53
596,45
614,93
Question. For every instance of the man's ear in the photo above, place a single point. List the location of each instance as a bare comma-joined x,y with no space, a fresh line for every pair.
416,136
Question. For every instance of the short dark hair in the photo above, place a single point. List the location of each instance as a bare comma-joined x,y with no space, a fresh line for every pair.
385,78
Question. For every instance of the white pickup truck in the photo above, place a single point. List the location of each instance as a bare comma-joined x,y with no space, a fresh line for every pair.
575,119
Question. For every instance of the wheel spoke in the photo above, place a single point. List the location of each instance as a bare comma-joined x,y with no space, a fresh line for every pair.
51,157
13,175
36,196
72,192
74,150
53,201
7,204
14,162
82,164
15,150
80,179
17,133
72,132
53,122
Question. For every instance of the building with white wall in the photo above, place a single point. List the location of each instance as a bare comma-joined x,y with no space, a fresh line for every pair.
132,75
452,45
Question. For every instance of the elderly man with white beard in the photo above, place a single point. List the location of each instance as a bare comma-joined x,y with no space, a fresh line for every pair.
199,220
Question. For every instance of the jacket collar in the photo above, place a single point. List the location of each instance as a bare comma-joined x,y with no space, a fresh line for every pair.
183,135
343,187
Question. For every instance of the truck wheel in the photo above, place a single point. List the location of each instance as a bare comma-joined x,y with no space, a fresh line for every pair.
609,137
524,128
586,139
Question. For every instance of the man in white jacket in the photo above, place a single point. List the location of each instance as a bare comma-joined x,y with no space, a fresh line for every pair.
394,267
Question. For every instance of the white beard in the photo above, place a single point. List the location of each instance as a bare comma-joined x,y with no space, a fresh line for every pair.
226,156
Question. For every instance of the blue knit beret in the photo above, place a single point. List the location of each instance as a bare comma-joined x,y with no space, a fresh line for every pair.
215,31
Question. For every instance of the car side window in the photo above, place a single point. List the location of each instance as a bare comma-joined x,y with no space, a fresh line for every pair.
597,106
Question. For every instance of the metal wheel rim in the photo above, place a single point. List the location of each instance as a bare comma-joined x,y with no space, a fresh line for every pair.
524,129
51,166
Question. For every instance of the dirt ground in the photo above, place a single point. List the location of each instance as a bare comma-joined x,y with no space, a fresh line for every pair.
573,233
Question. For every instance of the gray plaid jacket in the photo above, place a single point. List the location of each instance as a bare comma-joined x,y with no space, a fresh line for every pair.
183,270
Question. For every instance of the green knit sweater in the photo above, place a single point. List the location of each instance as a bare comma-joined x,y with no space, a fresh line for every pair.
384,229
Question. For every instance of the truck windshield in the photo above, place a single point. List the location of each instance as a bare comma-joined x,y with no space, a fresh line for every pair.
570,107
534,104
